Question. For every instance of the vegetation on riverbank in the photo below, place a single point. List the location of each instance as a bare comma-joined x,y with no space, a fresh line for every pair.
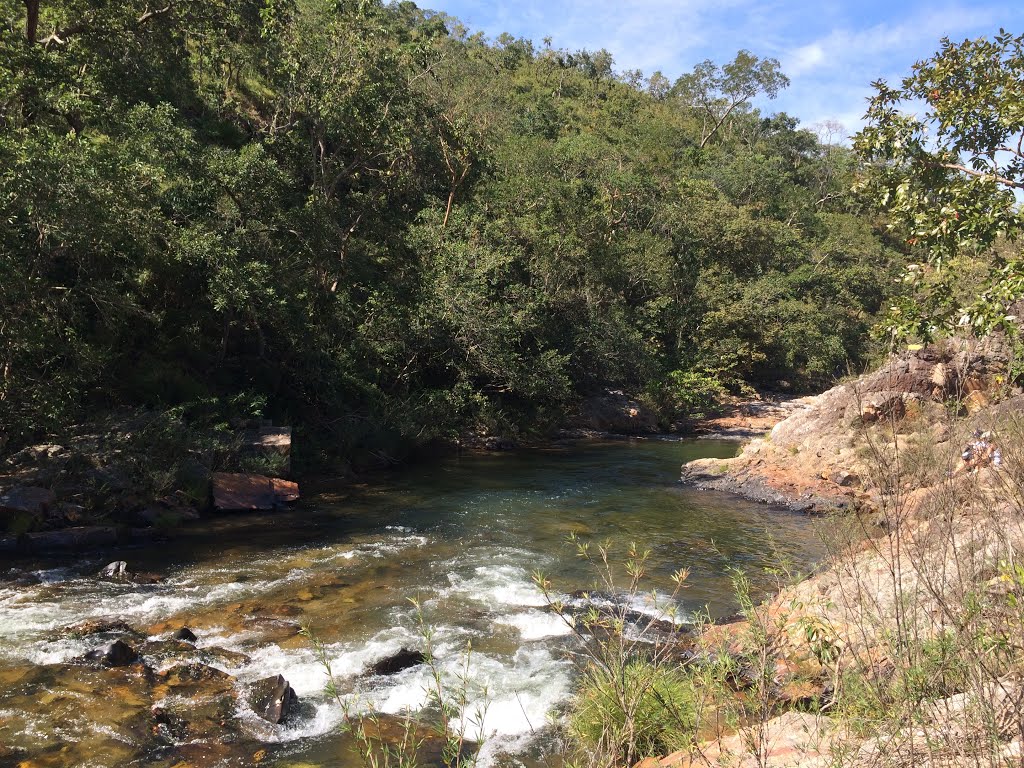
367,221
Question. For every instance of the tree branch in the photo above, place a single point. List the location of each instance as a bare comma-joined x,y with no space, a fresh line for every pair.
149,14
720,123
1013,151
982,175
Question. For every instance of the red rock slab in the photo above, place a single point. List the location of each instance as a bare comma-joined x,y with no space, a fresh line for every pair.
233,491
285,490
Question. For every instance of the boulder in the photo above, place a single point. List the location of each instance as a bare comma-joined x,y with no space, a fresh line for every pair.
233,492
185,634
117,654
285,491
845,479
27,500
615,411
115,570
398,662
273,699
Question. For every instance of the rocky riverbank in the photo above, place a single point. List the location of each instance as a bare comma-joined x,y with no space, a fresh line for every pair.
823,454
905,636
132,479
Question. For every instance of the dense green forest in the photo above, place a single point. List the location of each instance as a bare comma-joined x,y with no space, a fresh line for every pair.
368,221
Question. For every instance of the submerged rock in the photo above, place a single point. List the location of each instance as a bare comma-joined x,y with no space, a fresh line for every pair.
432,748
273,699
196,702
92,627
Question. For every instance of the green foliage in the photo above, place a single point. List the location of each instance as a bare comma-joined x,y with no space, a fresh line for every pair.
687,394
948,177
660,721
393,231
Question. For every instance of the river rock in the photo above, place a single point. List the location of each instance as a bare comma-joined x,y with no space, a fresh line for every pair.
117,654
27,500
192,678
185,634
382,729
273,699
115,570
196,702
234,492
92,627
398,662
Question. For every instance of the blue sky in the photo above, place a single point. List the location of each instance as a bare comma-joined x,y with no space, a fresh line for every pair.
830,50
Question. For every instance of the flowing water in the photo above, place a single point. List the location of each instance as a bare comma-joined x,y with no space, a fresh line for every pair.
463,536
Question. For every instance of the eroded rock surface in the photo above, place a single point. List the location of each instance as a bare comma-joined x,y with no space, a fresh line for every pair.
822,455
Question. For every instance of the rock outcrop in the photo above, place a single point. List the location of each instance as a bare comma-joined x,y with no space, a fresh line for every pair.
920,559
821,456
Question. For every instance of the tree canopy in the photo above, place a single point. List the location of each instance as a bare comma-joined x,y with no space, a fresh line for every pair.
370,221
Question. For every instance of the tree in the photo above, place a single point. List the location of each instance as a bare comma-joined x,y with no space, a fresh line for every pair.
718,92
949,177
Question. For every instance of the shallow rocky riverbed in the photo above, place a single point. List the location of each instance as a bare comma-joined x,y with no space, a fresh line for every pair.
463,537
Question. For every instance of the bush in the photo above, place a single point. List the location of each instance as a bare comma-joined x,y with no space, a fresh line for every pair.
644,708
686,394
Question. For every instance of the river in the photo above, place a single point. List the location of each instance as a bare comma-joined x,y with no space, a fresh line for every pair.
463,536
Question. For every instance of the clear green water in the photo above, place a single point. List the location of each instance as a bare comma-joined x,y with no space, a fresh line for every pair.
462,535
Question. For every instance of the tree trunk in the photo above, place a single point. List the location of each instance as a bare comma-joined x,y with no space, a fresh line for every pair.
31,21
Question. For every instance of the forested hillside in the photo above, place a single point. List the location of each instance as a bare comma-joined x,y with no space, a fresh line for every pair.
372,223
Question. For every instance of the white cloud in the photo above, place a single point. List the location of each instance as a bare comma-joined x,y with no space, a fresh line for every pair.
804,59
